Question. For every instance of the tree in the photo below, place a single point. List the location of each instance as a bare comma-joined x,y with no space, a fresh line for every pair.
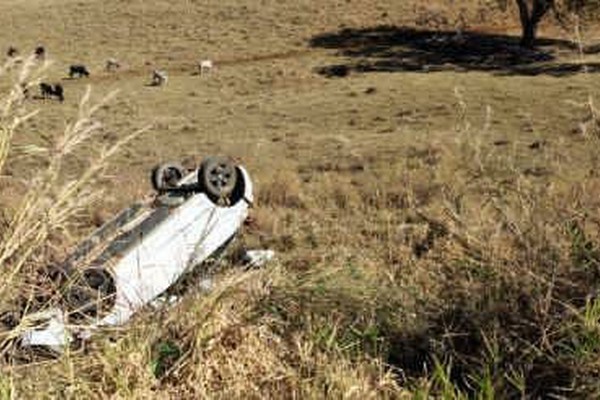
531,13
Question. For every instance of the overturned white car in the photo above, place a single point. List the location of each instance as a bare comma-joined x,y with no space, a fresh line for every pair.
135,257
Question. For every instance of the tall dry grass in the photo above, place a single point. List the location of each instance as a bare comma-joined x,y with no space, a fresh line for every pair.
53,197
231,343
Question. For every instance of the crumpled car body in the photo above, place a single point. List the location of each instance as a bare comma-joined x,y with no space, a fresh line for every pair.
135,257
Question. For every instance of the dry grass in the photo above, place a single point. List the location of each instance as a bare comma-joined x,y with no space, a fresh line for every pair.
437,233
52,198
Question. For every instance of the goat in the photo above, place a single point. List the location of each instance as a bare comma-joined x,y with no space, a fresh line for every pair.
159,78
112,64
40,52
24,90
205,65
47,91
78,70
13,57
12,52
59,92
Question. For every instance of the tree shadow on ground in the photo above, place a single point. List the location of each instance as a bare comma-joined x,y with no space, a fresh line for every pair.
400,49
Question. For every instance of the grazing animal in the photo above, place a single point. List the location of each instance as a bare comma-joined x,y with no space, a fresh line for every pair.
205,65
12,52
159,78
48,91
78,70
112,64
24,90
40,52
59,92
13,57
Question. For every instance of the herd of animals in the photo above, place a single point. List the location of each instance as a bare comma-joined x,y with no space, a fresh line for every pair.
50,91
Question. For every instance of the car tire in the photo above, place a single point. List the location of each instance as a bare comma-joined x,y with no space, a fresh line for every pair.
217,178
167,176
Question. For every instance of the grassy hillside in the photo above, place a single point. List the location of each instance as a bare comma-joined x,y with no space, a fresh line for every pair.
435,211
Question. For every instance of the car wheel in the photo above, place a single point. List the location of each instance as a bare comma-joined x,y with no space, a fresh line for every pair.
90,293
217,177
166,176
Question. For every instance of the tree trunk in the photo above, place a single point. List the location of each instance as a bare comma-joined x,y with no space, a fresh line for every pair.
531,18
529,34
528,30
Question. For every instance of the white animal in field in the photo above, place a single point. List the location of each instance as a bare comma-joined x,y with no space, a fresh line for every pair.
205,66
112,64
159,78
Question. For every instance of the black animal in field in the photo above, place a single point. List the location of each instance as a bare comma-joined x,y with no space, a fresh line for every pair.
46,90
78,70
40,52
12,52
59,92
49,91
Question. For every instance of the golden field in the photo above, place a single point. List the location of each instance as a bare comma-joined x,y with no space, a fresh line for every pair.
435,211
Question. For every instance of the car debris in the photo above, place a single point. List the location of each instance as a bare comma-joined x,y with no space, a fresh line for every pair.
257,258
49,330
133,259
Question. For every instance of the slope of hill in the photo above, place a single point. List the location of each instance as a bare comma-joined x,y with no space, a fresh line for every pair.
435,209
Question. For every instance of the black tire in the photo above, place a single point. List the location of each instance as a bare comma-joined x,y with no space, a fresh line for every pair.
90,294
217,177
166,176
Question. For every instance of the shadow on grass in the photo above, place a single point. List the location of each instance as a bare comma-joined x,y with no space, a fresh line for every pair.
474,341
400,49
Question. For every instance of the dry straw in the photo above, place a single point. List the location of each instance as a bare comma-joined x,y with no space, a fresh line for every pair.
50,201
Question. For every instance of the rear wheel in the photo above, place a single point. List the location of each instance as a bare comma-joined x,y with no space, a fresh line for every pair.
167,176
217,177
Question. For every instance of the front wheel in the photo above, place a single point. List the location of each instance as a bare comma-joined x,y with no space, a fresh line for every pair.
167,176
